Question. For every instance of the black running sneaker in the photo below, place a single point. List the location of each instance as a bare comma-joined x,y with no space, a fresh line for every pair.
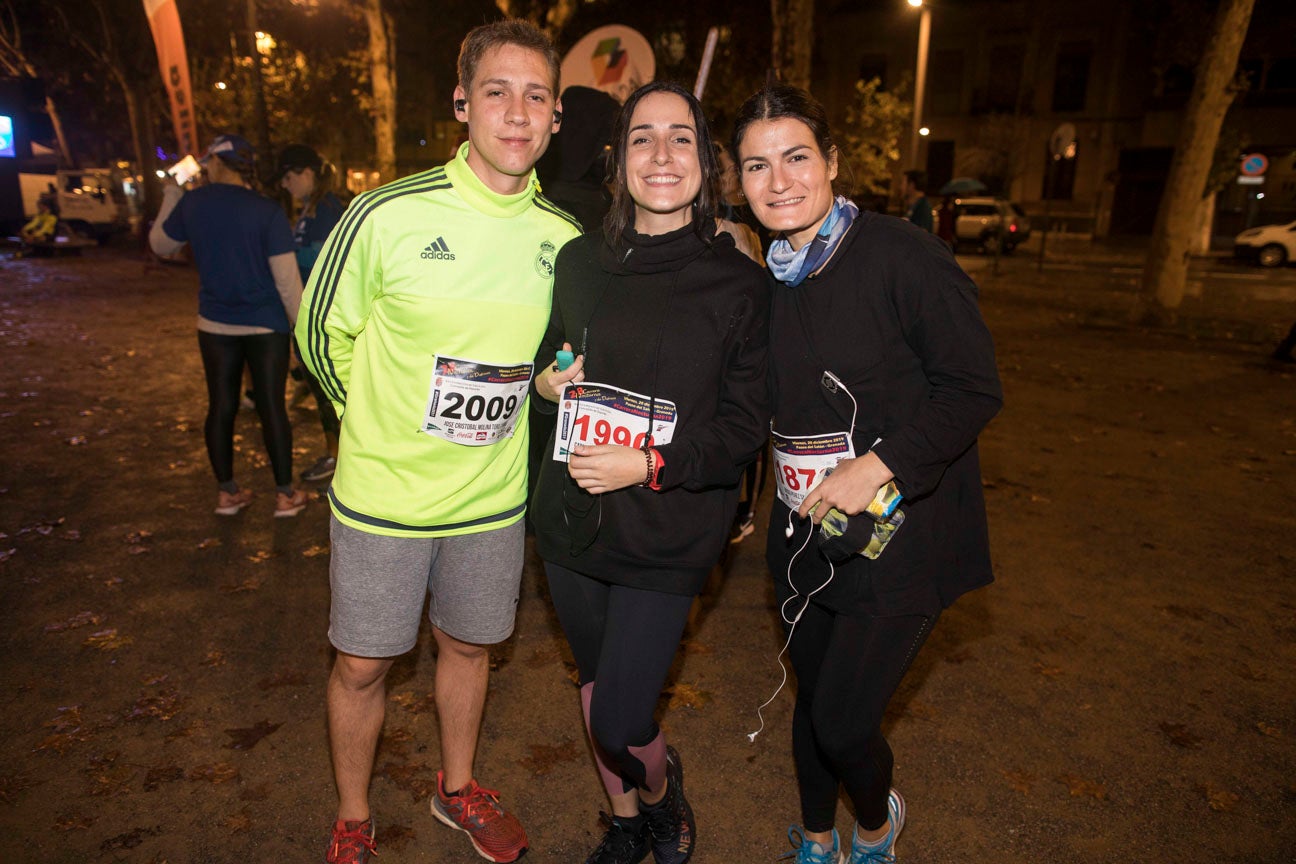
624,842
670,821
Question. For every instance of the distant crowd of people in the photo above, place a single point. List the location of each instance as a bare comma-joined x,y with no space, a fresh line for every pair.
667,304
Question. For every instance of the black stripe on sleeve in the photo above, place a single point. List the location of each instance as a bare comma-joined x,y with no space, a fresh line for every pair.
334,263
549,207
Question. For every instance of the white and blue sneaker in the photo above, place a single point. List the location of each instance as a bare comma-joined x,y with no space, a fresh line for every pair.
809,852
882,852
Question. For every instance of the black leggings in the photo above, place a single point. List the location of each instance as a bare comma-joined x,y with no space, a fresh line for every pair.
266,356
327,413
624,641
847,667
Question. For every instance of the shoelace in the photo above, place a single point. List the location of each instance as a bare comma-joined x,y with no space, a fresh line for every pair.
876,856
804,853
352,842
482,805
617,840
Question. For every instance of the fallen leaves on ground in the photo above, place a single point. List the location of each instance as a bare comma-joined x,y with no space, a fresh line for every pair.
415,704
415,778
1266,729
81,619
209,543
162,705
261,556
687,696
1080,787
239,822
544,757
251,584
213,657
1219,800
1046,670
284,679
11,785
246,739
73,822
221,772
315,552
159,774
1178,735
129,840
1019,781
68,729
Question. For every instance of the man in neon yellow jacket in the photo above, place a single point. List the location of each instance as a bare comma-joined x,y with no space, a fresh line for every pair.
421,320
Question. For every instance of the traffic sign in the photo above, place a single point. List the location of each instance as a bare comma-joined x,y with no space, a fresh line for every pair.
1255,164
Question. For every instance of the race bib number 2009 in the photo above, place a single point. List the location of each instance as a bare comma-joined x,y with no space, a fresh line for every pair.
602,414
474,403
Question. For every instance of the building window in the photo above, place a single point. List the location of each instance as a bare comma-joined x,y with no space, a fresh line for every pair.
1071,77
1003,85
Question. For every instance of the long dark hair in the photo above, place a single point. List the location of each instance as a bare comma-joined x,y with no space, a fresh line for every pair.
621,216
783,101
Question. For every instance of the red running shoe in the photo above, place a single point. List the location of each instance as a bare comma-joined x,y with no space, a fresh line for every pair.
496,835
352,843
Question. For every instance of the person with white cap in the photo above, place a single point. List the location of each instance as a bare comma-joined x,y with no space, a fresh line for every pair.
248,298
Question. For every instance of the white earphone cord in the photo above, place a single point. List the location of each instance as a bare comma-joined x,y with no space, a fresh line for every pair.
791,622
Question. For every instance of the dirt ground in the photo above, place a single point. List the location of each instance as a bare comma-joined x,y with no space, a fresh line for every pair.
1123,692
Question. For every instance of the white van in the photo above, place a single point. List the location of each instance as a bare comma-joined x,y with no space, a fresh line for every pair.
1268,245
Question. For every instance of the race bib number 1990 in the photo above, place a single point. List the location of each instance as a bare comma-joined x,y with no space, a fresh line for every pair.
602,414
475,403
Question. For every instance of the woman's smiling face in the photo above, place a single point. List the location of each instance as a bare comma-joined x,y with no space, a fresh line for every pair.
663,173
786,178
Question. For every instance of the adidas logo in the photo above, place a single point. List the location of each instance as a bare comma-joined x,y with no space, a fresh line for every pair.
438,249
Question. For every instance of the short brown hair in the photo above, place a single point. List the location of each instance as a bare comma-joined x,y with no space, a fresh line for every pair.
510,31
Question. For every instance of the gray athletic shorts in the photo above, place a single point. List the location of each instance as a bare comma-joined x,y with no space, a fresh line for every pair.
379,584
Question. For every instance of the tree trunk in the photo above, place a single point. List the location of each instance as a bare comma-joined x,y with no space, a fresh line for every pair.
1166,273
793,40
382,72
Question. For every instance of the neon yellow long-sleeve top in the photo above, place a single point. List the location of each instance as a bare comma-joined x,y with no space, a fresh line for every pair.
431,270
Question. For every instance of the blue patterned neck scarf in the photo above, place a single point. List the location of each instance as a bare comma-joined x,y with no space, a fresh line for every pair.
791,268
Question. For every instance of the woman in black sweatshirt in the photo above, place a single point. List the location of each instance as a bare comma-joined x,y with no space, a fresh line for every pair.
882,373
670,325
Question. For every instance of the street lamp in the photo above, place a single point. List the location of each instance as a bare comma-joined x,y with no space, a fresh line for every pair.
920,76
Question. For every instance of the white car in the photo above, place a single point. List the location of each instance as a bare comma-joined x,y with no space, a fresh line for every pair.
1268,245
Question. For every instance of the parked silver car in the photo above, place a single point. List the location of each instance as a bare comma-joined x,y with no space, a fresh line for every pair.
989,222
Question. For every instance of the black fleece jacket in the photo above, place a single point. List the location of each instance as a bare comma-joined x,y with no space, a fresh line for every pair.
895,318
683,318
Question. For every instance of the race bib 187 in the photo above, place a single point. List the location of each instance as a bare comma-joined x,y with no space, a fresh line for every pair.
801,463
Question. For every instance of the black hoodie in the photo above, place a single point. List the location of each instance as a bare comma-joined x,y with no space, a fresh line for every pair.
679,317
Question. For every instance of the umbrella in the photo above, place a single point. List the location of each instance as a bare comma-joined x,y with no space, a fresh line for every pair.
963,186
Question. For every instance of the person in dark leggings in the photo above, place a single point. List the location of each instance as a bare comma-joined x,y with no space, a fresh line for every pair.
248,297
668,403
308,179
883,374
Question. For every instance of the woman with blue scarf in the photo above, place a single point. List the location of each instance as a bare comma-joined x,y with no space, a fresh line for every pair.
882,375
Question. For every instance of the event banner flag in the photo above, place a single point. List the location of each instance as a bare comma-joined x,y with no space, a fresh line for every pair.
164,19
